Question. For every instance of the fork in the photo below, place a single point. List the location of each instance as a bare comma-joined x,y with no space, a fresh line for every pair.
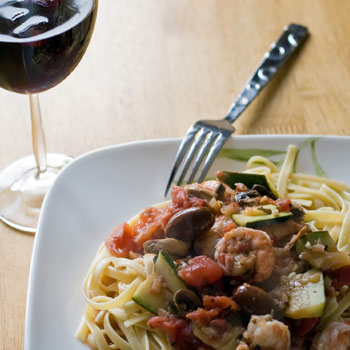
205,138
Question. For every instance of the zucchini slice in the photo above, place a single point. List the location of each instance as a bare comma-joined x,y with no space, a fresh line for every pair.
255,220
315,237
306,295
231,178
165,267
150,301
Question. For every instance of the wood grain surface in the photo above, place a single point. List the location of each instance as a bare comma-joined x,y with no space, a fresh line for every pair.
156,66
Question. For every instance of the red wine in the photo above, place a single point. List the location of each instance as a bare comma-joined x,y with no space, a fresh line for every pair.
42,41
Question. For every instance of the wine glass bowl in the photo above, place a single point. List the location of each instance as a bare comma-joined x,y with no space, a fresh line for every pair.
41,42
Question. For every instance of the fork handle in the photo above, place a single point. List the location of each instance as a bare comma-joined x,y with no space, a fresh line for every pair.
279,53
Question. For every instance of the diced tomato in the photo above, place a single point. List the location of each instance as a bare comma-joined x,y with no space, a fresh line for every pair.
180,200
119,242
221,302
201,270
202,316
171,325
125,238
306,325
149,226
283,204
341,277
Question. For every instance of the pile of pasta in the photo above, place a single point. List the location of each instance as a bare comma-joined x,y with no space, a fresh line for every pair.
112,320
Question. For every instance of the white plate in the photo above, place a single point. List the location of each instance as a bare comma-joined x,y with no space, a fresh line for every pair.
104,188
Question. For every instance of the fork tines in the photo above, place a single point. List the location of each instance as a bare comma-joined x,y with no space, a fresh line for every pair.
204,139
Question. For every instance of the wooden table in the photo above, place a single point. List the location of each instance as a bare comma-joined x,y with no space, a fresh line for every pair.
156,66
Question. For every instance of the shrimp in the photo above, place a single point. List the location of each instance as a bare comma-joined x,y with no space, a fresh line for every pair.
264,333
336,336
245,252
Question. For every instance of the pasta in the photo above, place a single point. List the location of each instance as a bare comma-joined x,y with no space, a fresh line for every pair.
115,320
112,320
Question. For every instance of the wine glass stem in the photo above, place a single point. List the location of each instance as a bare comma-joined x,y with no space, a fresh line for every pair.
38,136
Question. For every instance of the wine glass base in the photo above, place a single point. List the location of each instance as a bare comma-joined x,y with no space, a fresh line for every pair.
22,190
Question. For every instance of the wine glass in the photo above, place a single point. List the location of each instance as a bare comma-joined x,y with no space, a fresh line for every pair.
41,42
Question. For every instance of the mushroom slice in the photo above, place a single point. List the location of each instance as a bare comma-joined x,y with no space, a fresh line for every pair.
190,223
185,301
196,190
174,247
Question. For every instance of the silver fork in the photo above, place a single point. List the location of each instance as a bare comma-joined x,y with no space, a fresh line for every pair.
207,137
